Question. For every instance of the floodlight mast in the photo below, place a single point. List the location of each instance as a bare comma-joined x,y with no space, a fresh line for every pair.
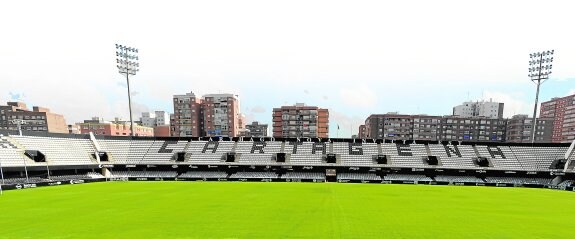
540,65
127,63
19,123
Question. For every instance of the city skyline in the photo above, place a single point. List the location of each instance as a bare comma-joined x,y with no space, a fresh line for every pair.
379,58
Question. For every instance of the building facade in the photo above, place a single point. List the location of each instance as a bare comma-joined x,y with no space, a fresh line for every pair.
300,121
187,119
117,127
362,134
393,126
487,109
426,127
37,119
162,131
477,129
211,115
519,129
256,129
562,111
156,118
222,115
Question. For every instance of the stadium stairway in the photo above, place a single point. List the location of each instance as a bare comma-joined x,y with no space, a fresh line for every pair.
144,156
571,166
477,154
428,150
557,180
187,147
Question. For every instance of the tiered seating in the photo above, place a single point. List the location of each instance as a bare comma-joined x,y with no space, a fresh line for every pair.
417,152
407,177
269,149
358,176
538,158
23,180
68,177
304,154
509,162
118,150
453,160
60,151
515,180
566,183
144,174
304,175
138,149
89,175
355,158
210,156
10,154
95,175
203,174
458,179
266,175
154,155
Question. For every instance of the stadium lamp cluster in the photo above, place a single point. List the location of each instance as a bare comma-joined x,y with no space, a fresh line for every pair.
540,64
127,60
127,63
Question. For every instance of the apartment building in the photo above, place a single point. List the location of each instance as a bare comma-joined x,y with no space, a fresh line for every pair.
300,120
37,119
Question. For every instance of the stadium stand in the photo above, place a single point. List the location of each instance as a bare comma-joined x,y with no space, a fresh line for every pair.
73,157
162,151
24,180
355,154
209,152
566,183
458,179
500,156
454,156
405,155
203,174
407,177
304,175
516,180
60,151
358,176
306,153
11,154
257,152
254,175
537,158
144,174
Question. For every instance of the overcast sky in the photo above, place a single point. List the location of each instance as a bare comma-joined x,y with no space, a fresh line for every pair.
352,57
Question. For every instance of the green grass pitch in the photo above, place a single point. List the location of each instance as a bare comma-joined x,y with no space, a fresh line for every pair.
284,210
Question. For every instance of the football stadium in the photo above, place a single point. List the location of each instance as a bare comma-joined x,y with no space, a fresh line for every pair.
90,186
312,119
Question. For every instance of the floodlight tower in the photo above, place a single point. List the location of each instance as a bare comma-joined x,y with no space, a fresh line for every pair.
19,123
540,65
127,63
